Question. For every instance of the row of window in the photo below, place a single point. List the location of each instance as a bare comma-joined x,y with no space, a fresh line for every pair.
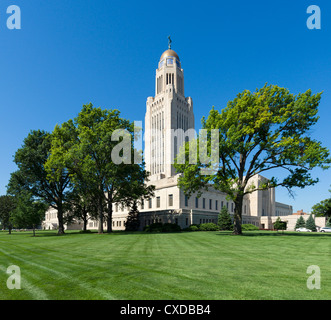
169,61
212,205
117,223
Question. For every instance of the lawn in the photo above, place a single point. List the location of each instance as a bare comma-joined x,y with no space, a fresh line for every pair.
163,266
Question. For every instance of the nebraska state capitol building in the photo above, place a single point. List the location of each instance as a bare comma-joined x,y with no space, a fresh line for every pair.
171,109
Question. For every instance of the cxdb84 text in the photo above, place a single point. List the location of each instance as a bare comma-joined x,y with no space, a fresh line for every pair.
187,309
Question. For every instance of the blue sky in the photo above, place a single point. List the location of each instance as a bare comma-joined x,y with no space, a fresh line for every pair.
69,53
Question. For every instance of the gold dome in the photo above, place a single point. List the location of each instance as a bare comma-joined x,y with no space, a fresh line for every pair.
169,53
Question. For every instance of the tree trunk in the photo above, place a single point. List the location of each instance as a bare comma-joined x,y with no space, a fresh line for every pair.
100,226
85,224
84,219
60,217
110,213
237,215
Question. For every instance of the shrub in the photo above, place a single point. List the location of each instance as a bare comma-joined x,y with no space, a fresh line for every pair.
224,219
154,227
192,227
170,227
249,227
208,227
159,227
280,225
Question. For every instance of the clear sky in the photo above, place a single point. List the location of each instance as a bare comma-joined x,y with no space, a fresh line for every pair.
69,53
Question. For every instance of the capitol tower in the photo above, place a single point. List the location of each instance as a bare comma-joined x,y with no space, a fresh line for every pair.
166,112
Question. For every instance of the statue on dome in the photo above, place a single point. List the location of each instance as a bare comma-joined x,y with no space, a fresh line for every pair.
169,42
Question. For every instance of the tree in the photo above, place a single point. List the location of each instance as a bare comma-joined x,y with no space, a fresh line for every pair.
133,222
224,219
301,223
310,223
280,225
257,132
33,177
322,209
81,206
28,212
99,159
7,206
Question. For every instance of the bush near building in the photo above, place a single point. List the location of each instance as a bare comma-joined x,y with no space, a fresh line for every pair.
224,219
162,227
249,227
280,225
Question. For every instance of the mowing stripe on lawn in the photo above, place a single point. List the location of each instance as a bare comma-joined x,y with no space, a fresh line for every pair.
85,286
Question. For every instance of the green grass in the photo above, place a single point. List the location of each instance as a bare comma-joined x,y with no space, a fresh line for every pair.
187,265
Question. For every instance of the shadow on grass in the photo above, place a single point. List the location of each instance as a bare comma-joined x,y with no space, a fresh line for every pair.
69,233
275,234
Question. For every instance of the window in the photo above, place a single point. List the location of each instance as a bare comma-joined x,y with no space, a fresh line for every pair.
216,204
170,61
203,203
227,205
210,204
150,203
222,204
186,201
171,200
142,204
176,221
232,207
187,221
245,209
158,202
197,202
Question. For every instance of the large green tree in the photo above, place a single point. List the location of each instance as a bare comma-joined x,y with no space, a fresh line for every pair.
323,208
33,177
257,132
7,206
100,160
28,212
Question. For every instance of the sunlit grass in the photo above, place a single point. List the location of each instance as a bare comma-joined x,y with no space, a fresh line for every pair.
186,265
